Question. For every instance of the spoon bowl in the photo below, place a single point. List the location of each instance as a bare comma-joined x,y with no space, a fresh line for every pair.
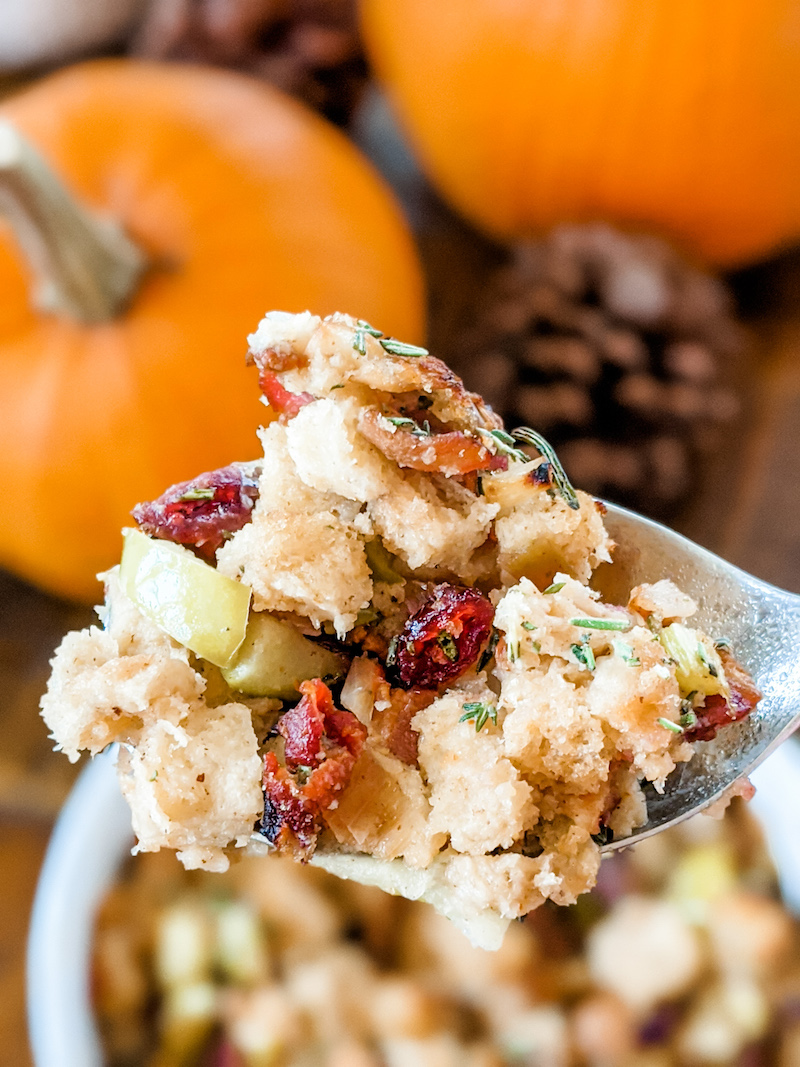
762,624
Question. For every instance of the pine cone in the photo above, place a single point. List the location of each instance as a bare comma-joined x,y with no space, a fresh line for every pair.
618,351
309,48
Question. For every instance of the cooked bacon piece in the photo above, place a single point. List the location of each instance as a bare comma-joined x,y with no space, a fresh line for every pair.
202,511
443,638
718,711
392,725
451,453
322,745
281,400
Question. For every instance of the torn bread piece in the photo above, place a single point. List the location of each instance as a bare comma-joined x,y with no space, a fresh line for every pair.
376,648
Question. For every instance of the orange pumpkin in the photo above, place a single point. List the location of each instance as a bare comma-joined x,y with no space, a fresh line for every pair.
242,201
681,116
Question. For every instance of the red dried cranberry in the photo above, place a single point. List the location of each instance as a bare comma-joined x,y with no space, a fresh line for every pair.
280,399
202,511
443,638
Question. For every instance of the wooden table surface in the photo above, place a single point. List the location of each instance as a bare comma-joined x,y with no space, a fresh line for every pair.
750,514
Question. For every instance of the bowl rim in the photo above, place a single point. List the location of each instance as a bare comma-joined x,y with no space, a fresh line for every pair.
76,874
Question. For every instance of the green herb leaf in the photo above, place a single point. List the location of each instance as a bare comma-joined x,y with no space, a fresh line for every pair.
198,494
531,437
479,713
688,719
625,652
556,587
503,444
528,625
365,326
448,646
339,385
359,342
602,624
489,651
400,348
668,724
583,654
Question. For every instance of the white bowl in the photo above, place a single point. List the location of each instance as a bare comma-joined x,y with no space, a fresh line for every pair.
93,835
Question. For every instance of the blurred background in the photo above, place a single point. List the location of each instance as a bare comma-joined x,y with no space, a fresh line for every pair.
591,210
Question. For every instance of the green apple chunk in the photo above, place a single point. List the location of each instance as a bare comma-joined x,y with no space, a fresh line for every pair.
195,604
275,658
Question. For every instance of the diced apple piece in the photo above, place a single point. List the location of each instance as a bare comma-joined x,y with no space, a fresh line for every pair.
275,658
196,605
698,667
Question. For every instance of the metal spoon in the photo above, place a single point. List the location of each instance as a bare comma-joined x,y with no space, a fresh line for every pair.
762,624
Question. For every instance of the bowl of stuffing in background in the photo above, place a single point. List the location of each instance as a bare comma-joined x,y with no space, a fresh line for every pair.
682,955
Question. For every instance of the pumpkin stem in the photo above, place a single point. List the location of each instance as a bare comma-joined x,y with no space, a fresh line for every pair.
85,267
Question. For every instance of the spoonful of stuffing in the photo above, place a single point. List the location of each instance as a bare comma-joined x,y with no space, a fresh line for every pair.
400,645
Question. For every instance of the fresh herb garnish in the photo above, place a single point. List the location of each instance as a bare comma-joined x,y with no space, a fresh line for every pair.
625,652
703,657
556,587
446,643
359,342
668,724
489,651
528,625
402,423
198,494
583,654
389,344
400,348
601,624
531,437
479,713
688,719
503,444
339,385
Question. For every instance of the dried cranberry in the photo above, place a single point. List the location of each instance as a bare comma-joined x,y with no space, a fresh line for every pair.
322,745
202,511
443,638
280,399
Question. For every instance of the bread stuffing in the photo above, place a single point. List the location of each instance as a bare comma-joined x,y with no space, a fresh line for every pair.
376,647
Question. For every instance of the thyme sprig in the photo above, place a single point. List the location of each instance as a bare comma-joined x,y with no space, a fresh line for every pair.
556,587
403,423
668,724
479,713
448,646
389,344
531,437
503,444
400,348
198,494
584,654
620,625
